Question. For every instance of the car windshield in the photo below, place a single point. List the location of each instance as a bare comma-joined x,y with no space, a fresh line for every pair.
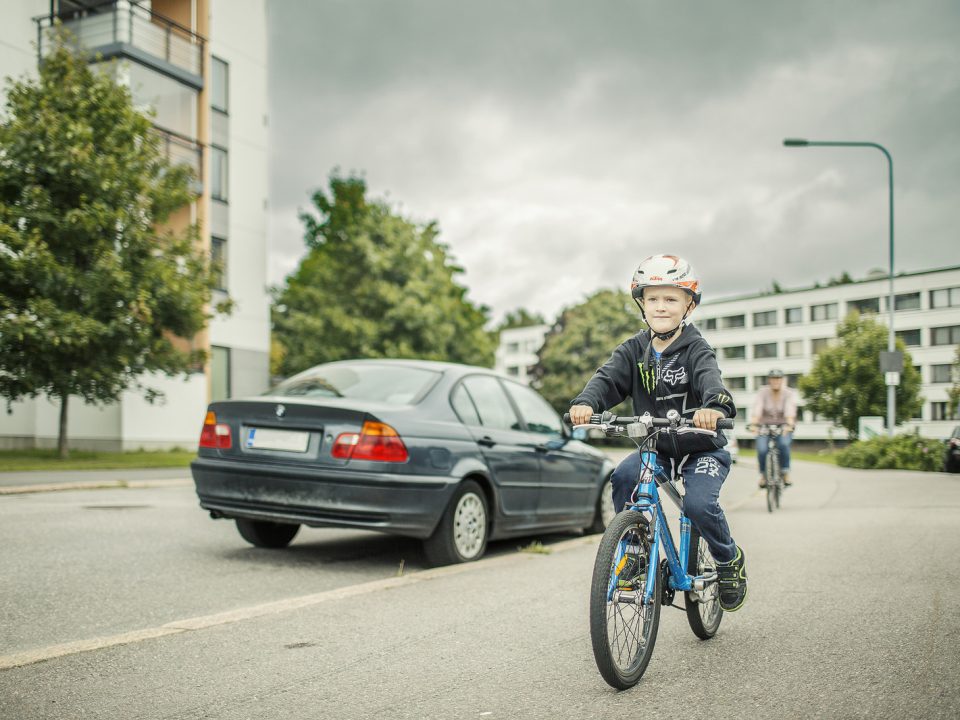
393,384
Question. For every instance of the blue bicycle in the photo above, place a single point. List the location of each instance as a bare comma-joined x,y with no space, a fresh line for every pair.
630,580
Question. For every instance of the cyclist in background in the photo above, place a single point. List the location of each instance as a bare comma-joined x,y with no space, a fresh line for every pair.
775,404
671,367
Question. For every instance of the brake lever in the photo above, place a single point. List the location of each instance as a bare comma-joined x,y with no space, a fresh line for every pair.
698,431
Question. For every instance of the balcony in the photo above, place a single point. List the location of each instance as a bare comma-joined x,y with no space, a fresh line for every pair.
125,29
180,150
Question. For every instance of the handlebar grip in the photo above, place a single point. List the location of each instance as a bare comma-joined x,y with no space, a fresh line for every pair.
725,424
566,418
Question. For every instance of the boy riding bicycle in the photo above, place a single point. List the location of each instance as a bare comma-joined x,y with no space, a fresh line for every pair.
671,367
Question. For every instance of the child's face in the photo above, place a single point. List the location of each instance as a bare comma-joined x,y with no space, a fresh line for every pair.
665,307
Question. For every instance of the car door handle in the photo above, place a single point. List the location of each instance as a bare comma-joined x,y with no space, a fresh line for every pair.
486,441
542,448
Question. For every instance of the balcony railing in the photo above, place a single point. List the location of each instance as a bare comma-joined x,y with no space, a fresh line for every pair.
180,150
121,28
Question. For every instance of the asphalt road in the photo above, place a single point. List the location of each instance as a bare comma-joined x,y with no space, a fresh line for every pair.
121,603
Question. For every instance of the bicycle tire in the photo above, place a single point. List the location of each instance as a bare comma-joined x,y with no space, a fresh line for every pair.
772,472
623,633
704,616
778,479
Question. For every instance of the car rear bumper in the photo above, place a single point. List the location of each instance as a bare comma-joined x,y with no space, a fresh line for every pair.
408,505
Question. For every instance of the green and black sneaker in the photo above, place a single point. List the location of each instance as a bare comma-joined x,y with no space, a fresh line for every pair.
732,579
630,572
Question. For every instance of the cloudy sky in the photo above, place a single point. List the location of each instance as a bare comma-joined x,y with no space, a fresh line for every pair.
559,142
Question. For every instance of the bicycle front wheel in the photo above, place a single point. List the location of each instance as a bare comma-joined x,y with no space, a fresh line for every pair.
622,628
773,479
703,609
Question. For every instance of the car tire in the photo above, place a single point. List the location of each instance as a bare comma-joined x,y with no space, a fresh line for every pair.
951,466
265,534
604,512
461,536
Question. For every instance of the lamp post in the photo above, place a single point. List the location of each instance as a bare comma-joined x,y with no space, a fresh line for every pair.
892,379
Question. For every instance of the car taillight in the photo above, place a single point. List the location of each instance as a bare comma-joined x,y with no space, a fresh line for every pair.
215,435
375,441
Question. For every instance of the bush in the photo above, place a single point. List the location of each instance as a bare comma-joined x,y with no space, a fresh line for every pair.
901,452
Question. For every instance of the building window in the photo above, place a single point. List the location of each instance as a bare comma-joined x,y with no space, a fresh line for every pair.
733,321
949,335
737,352
219,373
759,381
218,173
907,301
946,297
867,305
909,337
710,324
939,411
818,344
219,85
513,347
793,348
218,261
792,316
827,311
735,383
763,351
513,371
792,380
765,318
941,373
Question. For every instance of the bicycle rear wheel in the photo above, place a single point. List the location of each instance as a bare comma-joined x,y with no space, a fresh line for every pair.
623,630
703,609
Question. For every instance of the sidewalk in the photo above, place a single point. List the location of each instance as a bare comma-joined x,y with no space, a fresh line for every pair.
43,481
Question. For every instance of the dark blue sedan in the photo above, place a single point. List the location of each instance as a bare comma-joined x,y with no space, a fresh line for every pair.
451,454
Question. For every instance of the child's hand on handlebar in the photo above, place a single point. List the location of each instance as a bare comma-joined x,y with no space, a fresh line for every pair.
707,419
580,414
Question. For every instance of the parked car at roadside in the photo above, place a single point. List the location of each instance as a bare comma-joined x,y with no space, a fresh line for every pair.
951,456
451,454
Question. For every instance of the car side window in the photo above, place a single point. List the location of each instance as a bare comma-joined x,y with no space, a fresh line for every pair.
492,403
463,406
536,412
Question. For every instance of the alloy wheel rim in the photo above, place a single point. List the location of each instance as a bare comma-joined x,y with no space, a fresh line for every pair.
469,526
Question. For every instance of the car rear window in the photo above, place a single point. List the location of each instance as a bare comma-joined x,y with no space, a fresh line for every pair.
395,385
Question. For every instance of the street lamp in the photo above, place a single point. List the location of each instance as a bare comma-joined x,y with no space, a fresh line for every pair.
892,378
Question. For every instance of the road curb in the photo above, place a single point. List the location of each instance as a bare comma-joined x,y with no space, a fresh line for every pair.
94,485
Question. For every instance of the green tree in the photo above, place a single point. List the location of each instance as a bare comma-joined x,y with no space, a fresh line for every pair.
374,284
519,318
581,341
846,382
92,292
953,394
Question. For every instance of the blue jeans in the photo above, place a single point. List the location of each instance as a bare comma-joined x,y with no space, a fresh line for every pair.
703,475
763,447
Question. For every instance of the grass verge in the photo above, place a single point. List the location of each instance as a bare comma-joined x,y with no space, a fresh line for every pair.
824,456
47,460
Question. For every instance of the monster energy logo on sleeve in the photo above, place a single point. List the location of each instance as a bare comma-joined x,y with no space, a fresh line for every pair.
724,399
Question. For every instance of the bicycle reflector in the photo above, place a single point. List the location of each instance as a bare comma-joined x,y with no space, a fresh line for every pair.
215,435
375,441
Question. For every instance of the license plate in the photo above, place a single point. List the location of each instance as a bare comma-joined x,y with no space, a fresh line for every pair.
269,439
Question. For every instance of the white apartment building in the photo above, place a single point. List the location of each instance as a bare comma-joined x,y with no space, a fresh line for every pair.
201,65
755,333
518,350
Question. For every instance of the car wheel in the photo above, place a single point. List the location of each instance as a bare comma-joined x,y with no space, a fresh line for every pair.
604,511
265,534
951,466
462,533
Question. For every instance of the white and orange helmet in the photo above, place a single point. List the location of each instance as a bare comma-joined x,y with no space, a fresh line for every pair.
665,271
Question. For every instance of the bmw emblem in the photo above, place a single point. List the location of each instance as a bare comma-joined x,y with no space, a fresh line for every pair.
280,410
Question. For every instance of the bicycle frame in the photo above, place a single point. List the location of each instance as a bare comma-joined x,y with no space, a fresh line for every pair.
648,502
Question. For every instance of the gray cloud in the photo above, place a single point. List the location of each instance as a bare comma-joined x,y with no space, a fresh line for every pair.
558,143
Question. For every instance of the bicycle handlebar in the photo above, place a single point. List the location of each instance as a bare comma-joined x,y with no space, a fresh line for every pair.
608,418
